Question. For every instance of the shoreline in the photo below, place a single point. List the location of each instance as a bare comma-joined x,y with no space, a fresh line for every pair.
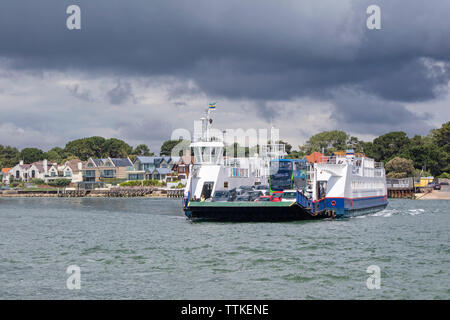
118,193
22,195
435,195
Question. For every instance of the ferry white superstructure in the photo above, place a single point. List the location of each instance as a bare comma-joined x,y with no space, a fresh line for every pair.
348,184
213,171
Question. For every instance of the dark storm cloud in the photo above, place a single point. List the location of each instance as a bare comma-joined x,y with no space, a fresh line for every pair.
363,114
264,50
260,49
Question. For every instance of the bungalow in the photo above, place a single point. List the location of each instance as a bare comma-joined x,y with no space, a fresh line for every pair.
96,170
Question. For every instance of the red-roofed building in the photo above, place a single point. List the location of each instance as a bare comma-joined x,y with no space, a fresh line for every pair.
4,175
316,157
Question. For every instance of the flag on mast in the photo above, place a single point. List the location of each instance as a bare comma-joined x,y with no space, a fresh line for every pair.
212,105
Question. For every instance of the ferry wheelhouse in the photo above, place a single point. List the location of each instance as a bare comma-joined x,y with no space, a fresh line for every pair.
212,170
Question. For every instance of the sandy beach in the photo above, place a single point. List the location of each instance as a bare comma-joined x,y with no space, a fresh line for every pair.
435,195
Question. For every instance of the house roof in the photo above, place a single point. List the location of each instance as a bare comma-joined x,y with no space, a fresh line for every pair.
5,170
40,165
97,161
315,157
24,166
73,164
155,159
121,162
143,159
162,170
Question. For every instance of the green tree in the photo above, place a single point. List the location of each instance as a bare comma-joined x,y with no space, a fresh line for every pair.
142,150
399,168
356,144
60,182
429,156
55,154
29,155
86,148
116,148
328,141
287,146
442,137
167,146
9,156
295,155
387,146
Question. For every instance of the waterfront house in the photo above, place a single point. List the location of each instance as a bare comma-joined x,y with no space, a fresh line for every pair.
106,170
152,168
181,167
52,172
160,174
72,169
4,175
26,172
20,171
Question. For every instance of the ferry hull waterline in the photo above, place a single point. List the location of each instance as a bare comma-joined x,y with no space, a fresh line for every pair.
270,212
338,186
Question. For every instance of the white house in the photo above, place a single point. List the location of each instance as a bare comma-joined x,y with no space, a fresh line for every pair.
72,169
26,172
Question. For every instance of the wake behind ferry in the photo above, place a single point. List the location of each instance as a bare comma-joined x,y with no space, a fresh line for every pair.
268,187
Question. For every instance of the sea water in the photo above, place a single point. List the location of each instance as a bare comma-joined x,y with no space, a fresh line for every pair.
140,248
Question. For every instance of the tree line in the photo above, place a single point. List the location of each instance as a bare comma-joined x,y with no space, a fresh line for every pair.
402,155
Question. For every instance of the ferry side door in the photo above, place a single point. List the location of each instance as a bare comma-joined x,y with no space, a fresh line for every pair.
207,189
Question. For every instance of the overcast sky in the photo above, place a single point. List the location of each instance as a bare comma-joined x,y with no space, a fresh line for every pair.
140,68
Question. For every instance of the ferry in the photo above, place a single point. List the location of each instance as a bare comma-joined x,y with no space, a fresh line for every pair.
342,185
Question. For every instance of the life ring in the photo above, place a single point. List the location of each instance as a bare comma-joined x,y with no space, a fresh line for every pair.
333,203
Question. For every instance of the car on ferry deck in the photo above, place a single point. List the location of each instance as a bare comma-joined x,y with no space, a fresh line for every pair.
264,199
254,195
263,188
289,195
244,189
221,196
244,197
276,196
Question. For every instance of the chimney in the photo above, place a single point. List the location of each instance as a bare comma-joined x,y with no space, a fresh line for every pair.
44,163
21,162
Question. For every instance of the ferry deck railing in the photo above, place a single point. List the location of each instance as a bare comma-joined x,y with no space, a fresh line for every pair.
312,205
